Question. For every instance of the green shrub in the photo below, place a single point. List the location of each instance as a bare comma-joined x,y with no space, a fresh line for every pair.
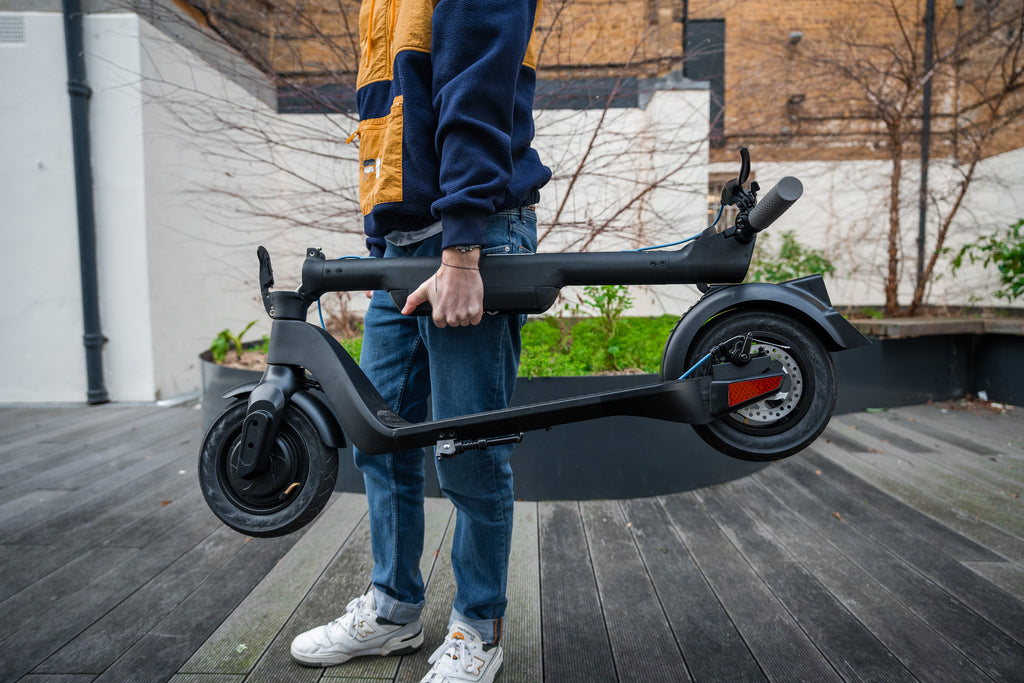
789,261
1004,250
554,347
354,346
226,340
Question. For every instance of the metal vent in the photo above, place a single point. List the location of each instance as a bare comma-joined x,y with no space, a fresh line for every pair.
12,29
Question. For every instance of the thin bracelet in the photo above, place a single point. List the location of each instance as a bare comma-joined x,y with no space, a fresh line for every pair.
460,267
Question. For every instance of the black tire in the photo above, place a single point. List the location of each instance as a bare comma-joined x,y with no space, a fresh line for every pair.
791,420
269,504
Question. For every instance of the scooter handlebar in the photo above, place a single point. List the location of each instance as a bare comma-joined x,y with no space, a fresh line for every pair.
775,203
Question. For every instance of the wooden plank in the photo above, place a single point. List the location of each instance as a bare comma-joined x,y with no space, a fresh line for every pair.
1003,432
877,431
27,500
23,565
108,505
70,430
848,645
633,616
17,420
916,522
969,525
104,641
23,650
94,435
570,604
1006,575
104,517
1005,477
933,431
957,492
810,542
950,481
711,645
983,597
25,605
55,468
245,635
141,533
89,461
521,641
988,647
782,649
841,439
168,644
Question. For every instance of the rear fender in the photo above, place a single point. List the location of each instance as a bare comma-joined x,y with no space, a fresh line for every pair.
805,299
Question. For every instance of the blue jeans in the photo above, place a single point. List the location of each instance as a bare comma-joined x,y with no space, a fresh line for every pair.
463,370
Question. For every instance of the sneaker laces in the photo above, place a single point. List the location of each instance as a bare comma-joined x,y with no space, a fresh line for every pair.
357,613
455,656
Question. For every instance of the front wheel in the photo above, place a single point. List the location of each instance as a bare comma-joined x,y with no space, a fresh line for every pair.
280,500
790,420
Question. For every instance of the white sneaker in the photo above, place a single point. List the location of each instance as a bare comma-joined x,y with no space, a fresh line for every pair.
356,633
464,657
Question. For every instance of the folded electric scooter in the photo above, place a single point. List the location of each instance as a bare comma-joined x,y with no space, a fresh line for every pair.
748,366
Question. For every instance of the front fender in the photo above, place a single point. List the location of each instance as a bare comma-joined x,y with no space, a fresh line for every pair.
327,424
805,298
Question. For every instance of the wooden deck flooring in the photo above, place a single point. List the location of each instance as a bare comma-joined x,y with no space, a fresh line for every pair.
892,550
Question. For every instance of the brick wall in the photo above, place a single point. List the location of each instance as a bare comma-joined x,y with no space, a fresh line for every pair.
789,101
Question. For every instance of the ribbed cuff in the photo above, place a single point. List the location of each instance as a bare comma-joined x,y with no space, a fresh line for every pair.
463,228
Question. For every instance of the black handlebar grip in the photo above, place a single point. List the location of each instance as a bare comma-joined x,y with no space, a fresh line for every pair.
775,203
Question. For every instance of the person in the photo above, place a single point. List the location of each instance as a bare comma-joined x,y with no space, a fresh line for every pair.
445,98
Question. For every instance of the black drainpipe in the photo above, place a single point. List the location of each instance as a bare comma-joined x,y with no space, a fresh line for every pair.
926,136
80,93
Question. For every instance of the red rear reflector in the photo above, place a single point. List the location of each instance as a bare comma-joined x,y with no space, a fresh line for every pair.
741,392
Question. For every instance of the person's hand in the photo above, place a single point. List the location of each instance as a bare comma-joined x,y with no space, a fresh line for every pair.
455,292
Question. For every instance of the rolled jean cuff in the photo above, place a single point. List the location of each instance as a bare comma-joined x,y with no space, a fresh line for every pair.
489,629
393,610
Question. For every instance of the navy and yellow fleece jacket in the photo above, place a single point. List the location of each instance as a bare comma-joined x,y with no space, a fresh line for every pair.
445,97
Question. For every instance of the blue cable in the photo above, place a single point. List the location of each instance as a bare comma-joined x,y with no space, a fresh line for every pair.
721,207
321,312
695,366
670,244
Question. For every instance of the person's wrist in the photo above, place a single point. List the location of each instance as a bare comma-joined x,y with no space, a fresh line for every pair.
459,257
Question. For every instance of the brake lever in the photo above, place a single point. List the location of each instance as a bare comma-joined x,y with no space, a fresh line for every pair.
733,192
266,278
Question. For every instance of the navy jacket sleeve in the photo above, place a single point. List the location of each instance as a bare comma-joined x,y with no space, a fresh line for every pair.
478,47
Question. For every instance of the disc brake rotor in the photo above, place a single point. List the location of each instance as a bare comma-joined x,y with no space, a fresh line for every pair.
778,406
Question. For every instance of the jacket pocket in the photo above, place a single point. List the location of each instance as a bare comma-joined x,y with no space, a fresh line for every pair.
380,159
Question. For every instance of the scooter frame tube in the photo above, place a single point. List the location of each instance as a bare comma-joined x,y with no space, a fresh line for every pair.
370,423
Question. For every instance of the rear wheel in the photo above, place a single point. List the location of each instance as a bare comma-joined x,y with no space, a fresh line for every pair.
280,500
791,419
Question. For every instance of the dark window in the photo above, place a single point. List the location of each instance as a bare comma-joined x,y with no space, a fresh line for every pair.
704,60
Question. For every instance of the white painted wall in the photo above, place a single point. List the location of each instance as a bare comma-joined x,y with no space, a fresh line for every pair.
844,211
636,176
39,251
